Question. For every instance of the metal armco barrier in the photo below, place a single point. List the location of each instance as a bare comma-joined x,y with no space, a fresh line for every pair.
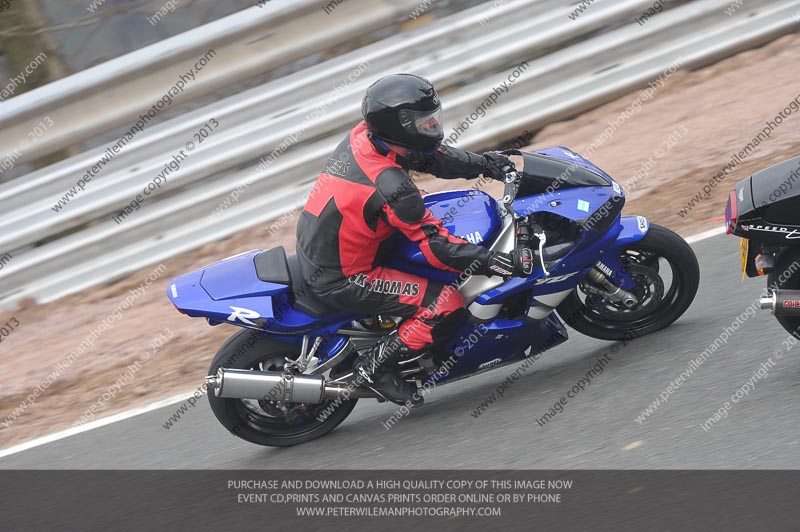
271,140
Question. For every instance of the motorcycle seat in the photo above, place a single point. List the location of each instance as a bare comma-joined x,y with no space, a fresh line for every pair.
273,266
304,300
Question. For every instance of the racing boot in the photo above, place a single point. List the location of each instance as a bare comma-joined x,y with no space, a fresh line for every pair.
377,369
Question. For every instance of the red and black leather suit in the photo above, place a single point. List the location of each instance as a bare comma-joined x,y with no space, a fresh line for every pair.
364,196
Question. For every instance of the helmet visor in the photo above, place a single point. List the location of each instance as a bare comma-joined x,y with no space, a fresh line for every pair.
426,123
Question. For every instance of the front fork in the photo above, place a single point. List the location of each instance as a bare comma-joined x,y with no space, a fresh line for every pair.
609,290
608,278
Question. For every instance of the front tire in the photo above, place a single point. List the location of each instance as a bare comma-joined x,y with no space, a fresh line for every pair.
263,422
667,276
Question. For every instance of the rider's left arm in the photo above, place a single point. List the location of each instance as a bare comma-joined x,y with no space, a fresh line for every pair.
451,163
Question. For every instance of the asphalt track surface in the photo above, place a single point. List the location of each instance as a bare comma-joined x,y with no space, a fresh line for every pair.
596,430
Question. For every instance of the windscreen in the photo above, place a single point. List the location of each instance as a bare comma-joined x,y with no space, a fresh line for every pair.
542,174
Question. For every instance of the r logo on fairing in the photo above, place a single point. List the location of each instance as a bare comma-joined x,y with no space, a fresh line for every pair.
244,315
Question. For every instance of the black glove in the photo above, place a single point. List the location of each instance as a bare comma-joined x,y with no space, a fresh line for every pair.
496,165
518,263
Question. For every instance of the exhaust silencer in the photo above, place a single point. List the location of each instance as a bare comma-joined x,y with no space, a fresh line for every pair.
782,302
277,386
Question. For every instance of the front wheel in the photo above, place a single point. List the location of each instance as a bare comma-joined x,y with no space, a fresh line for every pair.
267,422
667,276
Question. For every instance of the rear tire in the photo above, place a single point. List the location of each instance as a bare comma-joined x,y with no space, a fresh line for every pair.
261,423
661,252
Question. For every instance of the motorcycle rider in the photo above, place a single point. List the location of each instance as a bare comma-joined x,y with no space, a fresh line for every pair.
365,195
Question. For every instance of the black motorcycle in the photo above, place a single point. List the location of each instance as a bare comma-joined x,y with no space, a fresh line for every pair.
764,211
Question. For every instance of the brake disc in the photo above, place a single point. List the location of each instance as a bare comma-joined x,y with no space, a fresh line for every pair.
648,289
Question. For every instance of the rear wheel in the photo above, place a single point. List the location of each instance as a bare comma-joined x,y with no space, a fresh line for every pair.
666,274
266,422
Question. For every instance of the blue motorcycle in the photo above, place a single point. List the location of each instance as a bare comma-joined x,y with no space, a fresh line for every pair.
286,378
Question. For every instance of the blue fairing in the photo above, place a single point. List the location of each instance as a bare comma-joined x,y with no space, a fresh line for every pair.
577,204
478,347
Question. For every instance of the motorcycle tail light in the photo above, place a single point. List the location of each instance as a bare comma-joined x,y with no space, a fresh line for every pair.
731,213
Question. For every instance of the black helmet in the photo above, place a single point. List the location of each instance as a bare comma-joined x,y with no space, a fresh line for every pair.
404,109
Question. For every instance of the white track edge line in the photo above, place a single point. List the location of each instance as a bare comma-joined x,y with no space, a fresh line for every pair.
705,235
127,414
49,438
